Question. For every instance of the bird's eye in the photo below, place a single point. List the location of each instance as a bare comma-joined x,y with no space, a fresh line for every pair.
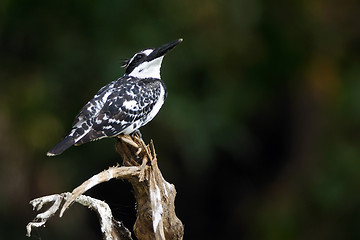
139,56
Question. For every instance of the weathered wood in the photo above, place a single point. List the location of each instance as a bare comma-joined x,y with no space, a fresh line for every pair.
155,197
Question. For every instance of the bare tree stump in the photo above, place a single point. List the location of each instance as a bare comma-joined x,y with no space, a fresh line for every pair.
155,197
156,218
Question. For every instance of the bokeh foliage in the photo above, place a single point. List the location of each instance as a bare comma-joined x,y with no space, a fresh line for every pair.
260,132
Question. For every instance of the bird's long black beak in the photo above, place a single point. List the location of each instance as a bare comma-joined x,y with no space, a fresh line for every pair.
162,50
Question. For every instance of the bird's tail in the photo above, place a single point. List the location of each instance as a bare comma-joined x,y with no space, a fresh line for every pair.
67,142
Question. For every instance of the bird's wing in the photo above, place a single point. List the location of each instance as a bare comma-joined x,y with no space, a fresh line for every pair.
83,121
93,107
124,108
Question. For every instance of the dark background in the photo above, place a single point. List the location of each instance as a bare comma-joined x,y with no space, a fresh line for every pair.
259,134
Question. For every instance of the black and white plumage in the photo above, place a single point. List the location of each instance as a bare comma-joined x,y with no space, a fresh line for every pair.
124,105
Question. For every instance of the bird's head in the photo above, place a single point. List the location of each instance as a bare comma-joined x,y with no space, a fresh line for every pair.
147,63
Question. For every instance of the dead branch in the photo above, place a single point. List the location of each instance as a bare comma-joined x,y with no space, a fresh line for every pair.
110,228
156,218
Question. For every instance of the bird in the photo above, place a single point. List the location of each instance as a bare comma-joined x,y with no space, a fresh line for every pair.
124,105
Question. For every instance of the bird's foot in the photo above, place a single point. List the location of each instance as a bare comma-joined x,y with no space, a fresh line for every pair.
137,133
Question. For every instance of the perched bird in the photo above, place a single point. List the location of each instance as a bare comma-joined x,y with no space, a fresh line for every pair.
124,105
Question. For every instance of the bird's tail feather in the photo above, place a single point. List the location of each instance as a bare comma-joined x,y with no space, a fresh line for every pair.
67,142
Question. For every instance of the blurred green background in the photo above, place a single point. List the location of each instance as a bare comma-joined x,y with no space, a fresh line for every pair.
260,132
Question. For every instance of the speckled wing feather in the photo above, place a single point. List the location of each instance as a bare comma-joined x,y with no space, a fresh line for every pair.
126,108
122,106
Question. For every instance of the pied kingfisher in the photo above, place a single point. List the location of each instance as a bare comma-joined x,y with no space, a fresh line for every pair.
124,105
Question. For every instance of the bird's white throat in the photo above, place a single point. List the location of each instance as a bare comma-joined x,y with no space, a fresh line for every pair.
148,69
